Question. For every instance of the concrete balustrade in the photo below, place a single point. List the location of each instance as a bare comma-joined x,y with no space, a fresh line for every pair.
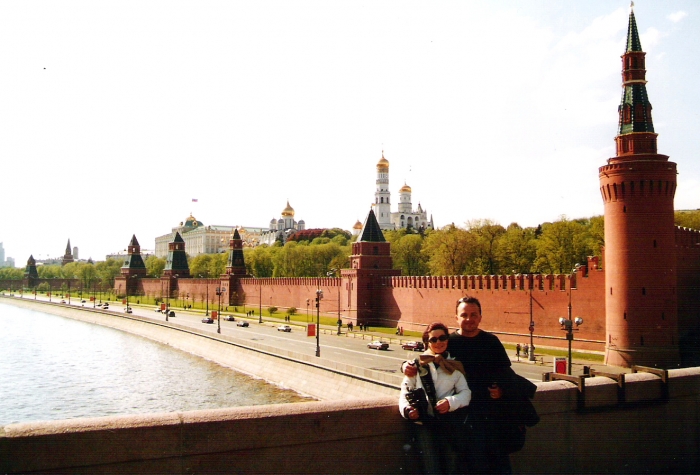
644,433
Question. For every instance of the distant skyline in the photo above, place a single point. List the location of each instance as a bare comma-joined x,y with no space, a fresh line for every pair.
117,115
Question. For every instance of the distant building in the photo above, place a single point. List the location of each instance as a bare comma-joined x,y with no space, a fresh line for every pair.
281,229
406,217
2,255
68,256
205,239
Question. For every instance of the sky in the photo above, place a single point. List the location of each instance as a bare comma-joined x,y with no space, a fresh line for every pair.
116,115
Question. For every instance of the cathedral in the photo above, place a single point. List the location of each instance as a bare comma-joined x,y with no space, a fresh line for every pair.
406,217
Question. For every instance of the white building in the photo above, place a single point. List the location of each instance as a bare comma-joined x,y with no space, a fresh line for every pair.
406,216
281,229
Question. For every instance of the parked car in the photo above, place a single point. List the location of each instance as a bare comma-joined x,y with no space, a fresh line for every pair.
230,318
378,345
127,310
242,324
413,346
284,328
207,320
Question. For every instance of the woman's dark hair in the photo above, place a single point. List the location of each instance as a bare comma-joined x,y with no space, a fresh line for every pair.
431,327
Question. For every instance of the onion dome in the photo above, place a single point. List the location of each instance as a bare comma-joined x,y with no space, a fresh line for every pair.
191,222
288,211
405,188
383,163
358,225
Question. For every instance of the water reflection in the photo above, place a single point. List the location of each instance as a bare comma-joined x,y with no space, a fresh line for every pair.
56,368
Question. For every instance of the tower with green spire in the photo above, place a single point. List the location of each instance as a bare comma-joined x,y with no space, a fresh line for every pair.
638,186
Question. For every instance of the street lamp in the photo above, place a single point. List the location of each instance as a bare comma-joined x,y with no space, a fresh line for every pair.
319,296
340,321
568,326
219,291
260,303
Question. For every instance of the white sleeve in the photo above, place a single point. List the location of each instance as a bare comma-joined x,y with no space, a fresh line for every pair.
406,384
462,395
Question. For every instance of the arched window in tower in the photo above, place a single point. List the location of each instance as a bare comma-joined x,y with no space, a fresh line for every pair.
381,200
639,113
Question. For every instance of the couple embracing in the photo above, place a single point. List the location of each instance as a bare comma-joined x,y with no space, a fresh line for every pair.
468,406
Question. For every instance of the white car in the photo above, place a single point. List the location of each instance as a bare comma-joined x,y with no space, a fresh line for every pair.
127,310
284,328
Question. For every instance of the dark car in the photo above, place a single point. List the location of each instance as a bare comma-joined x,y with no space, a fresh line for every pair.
230,318
242,324
171,314
207,320
413,346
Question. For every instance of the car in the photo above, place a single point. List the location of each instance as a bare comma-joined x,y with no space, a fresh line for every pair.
82,301
105,305
413,346
171,314
127,310
242,324
157,310
230,318
284,328
378,345
207,320
63,301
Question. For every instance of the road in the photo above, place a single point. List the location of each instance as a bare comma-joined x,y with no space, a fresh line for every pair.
348,348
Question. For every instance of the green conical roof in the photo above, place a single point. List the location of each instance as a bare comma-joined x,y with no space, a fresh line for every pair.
371,232
633,43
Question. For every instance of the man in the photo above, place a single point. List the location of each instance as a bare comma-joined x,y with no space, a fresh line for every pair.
488,372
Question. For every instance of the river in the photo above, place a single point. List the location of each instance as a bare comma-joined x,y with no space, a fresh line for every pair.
56,368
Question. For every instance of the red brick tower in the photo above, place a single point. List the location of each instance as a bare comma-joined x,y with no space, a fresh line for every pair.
638,186
370,262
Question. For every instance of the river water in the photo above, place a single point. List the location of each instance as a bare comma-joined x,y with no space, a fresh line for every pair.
56,368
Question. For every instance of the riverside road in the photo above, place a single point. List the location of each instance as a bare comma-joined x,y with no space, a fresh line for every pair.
347,348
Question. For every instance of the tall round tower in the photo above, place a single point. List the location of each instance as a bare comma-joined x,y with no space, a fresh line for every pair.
638,186
382,207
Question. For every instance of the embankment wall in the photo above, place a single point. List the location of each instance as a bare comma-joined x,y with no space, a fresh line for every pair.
649,427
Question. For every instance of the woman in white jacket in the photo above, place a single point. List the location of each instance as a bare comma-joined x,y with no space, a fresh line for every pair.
445,390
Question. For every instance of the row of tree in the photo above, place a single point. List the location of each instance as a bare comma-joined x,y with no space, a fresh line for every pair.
480,247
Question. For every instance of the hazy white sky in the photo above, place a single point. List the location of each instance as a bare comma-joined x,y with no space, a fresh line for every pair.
115,115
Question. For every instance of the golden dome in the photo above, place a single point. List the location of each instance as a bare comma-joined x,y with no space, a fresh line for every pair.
358,225
405,189
288,211
383,163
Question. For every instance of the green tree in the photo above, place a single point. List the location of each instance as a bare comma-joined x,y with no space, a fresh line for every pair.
562,245
517,250
49,272
449,250
154,266
488,234
687,219
260,260
107,271
407,256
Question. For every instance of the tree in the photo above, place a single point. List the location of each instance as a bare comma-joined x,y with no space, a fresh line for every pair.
407,256
449,250
687,219
107,271
260,260
272,310
517,250
154,266
488,233
562,245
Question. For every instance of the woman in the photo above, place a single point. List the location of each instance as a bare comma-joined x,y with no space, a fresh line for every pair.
431,398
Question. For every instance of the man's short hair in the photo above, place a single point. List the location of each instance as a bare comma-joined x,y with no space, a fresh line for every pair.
468,300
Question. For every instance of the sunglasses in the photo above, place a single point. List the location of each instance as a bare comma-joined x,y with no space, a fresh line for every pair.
435,339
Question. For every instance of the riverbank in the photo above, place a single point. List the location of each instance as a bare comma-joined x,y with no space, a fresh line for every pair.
308,375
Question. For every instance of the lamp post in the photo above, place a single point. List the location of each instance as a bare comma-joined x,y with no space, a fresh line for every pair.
260,303
219,291
531,355
307,310
567,324
340,321
206,314
319,296
68,291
